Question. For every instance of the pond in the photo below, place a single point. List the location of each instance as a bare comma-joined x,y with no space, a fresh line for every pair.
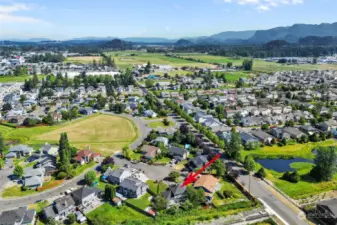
281,165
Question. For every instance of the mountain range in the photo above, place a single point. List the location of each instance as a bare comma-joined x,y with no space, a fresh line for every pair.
291,34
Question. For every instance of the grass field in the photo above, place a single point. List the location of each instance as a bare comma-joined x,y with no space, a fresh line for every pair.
259,65
142,202
294,150
104,133
117,215
159,124
124,59
83,59
10,79
153,186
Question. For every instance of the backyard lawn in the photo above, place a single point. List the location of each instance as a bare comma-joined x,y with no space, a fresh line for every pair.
142,202
227,186
117,215
153,186
16,191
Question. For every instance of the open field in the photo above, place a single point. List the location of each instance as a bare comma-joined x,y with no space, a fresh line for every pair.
291,150
104,133
125,59
10,79
83,59
117,215
259,65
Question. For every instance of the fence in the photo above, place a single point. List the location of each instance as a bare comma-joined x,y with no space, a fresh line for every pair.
139,210
243,189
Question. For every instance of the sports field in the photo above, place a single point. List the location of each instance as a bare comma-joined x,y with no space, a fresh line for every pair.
104,133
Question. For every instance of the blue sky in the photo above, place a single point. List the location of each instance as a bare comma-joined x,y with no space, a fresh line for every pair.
65,19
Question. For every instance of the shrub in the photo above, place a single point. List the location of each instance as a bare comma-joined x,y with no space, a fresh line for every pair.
293,177
220,195
24,188
61,175
228,193
261,173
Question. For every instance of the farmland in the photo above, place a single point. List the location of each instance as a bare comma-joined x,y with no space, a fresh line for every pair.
83,59
103,133
125,59
9,79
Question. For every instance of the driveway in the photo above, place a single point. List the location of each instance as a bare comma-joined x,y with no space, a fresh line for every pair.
151,171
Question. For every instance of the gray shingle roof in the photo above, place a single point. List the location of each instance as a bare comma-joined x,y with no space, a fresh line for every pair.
12,217
64,203
132,184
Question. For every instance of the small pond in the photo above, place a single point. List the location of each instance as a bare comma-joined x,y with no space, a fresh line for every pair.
281,165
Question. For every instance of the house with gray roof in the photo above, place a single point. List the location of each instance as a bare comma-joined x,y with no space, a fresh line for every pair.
175,194
18,151
247,138
132,188
327,211
176,151
84,196
117,176
33,178
263,136
293,132
19,216
197,162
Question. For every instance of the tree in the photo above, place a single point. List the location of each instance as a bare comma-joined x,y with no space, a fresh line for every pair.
127,153
159,203
18,171
187,205
228,193
108,160
48,120
64,148
265,127
50,221
90,177
2,145
195,196
325,161
2,163
219,167
249,163
261,173
247,64
166,122
229,64
293,177
6,107
71,218
174,175
109,192
234,146
149,83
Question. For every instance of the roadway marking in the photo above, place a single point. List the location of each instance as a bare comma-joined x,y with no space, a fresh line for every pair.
271,211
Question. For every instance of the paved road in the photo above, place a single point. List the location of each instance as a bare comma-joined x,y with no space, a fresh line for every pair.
6,204
151,171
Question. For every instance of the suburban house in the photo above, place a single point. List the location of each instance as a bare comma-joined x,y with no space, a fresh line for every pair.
278,133
175,194
162,140
197,162
327,211
86,111
48,162
293,132
175,151
86,156
19,151
329,126
263,136
33,178
247,138
61,208
224,135
150,113
209,184
19,216
150,151
117,176
85,195
49,149
132,188
309,130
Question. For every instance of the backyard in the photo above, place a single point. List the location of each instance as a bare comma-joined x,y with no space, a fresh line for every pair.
160,124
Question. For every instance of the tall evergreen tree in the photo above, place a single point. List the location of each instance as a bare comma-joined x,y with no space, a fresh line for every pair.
2,145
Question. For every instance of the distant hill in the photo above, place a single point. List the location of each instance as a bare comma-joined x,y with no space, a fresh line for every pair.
294,33
116,44
183,42
149,40
230,36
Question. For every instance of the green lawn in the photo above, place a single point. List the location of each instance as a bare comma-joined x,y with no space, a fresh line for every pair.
237,194
153,186
291,150
163,159
15,191
39,206
160,124
9,79
81,169
31,164
117,215
235,76
142,202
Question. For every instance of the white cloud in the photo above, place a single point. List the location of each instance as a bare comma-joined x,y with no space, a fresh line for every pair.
265,5
7,14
